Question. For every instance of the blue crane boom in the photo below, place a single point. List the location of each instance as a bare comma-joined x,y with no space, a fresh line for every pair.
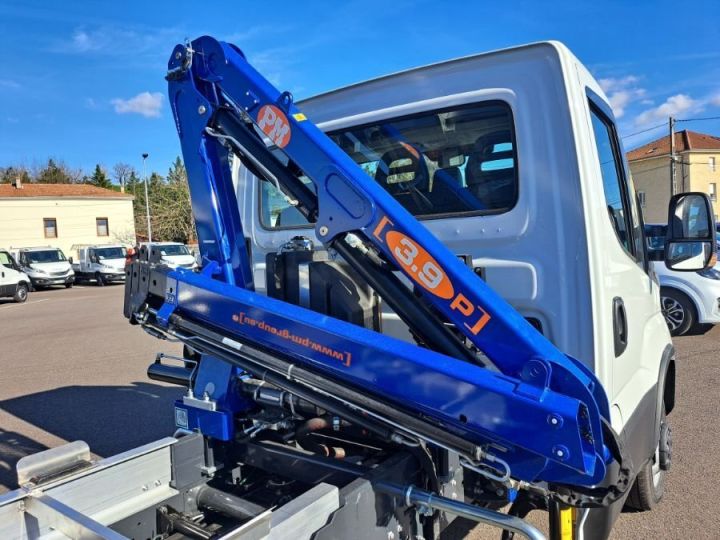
488,385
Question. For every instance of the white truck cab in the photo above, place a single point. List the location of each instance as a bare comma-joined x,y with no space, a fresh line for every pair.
174,254
513,160
102,264
14,283
47,266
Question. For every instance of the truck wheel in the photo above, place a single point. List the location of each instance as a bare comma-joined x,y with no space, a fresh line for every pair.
21,293
99,279
649,486
678,310
68,285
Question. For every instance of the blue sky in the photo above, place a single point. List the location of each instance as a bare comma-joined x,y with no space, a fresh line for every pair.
82,81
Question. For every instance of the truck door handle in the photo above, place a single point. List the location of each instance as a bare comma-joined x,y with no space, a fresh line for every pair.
620,327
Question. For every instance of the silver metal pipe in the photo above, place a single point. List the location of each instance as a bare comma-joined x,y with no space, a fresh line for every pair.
418,497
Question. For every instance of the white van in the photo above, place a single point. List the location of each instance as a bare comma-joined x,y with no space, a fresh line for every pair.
102,264
174,254
46,266
513,160
14,283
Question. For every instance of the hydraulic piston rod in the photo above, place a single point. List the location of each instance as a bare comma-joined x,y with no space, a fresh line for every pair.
425,499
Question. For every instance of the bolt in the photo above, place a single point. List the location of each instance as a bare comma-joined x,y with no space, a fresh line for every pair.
145,487
157,483
21,506
202,109
178,55
399,528
561,452
454,495
323,230
391,535
555,420
453,482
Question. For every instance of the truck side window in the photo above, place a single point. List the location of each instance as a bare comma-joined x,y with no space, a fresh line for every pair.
456,161
613,182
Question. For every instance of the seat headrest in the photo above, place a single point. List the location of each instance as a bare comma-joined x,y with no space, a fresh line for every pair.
402,167
484,151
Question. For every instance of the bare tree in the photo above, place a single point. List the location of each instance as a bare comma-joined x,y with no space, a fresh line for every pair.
170,211
122,172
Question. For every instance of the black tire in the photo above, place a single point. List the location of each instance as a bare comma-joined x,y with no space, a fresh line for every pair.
21,293
68,285
649,486
678,310
99,280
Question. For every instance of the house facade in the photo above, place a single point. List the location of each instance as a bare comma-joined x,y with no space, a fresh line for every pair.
63,216
697,168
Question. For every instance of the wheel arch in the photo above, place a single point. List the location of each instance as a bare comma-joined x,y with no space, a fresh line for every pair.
689,292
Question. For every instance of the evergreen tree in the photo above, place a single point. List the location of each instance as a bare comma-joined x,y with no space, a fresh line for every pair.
100,179
54,173
177,172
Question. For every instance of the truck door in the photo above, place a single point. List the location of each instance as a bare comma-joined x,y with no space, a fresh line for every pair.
626,297
8,275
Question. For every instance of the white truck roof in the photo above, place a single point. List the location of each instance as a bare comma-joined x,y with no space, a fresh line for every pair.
350,104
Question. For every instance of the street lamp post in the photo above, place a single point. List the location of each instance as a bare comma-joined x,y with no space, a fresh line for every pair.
147,201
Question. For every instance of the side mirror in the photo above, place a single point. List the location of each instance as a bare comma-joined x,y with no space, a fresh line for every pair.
70,260
690,242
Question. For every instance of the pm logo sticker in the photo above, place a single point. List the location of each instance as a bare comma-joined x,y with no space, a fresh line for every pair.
273,123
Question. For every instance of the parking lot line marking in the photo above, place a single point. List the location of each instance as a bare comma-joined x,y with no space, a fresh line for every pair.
25,303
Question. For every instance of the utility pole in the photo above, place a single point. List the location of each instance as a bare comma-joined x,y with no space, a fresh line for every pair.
147,200
672,156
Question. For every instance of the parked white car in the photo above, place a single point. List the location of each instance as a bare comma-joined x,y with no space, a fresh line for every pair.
14,283
102,264
175,254
688,299
46,266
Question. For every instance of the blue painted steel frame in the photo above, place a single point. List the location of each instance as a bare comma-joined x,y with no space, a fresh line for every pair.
478,404
215,74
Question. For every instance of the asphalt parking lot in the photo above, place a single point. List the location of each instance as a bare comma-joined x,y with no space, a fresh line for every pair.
73,368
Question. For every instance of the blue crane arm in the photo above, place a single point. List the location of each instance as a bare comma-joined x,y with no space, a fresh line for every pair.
221,104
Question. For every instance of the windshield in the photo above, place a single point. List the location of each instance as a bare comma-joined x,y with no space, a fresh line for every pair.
454,161
110,253
46,256
174,249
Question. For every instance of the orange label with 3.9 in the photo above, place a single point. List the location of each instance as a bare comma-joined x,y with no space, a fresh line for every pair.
418,263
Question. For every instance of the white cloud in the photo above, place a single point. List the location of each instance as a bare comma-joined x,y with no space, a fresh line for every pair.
83,42
621,92
673,106
611,84
145,103
119,41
